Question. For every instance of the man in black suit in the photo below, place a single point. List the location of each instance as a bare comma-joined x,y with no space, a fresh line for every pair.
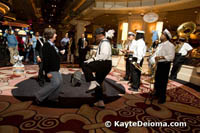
39,55
82,48
51,65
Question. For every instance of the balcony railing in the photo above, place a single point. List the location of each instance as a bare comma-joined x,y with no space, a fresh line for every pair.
129,3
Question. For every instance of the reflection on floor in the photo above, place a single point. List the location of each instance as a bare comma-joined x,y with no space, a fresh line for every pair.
74,113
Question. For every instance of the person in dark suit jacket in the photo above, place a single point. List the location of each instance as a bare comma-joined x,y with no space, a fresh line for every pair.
51,66
39,56
82,48
70,50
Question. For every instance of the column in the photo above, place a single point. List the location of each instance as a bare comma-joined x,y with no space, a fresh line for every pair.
80,29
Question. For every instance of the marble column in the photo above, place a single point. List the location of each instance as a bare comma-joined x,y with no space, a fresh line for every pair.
80,29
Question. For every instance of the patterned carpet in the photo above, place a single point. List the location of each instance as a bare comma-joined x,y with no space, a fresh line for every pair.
18,116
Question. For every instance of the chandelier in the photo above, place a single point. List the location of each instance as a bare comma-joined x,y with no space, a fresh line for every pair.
3,9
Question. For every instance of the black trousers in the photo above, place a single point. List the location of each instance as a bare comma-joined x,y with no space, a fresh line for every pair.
41,76
135,74
178,61
82,56
128,71
161,79
101,68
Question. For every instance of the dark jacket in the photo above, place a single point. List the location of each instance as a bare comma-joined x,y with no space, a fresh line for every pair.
51,58
38,48
80,43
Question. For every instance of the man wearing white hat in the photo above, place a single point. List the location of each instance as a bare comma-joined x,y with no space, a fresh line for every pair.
164,57
129,53
183,49
139,51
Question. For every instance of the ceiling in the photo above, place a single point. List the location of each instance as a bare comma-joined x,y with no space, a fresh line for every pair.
51,12
93,12
60,12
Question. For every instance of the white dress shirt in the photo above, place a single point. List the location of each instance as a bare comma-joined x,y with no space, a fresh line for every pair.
166,49
184,49
132,45
139,50
104,51
152,57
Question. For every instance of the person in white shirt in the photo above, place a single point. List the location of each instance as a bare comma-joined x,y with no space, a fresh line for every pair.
163,58
139,51
101,64
129,53
182,51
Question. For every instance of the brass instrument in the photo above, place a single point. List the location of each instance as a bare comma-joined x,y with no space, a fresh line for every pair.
69,46
136,66
125,53
153,63
185,29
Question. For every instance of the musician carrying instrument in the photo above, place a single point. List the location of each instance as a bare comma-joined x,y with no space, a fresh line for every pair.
129,55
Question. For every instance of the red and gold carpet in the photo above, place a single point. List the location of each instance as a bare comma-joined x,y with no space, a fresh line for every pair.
183,105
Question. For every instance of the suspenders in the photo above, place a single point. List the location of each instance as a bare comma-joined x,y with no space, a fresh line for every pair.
101,44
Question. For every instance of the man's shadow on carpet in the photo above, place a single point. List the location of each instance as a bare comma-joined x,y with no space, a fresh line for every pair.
70,97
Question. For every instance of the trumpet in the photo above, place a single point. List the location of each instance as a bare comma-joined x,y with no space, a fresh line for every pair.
136,66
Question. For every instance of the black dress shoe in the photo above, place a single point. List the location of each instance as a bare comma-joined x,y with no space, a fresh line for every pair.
132,89
125,78
172,77
155,97
91,90
41,83
36,102
47,79
102,107
161,101
99,106
129,82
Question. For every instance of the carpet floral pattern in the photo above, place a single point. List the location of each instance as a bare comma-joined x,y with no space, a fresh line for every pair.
183,105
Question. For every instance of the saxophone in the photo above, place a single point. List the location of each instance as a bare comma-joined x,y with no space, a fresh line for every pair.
153,63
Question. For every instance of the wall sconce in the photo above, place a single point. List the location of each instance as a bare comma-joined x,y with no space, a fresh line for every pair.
124,31
159,28
89,36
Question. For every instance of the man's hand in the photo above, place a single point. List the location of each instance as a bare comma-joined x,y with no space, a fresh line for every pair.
123,51
49,75
62,51
39,59
89,60
157,58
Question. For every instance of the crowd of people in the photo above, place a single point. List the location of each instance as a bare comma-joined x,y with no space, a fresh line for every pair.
164,52
47,55
26,46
